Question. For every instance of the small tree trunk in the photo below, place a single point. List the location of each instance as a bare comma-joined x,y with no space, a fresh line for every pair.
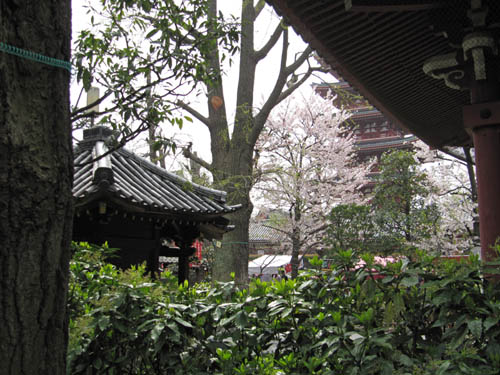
296,241
35,188
473,189
295,252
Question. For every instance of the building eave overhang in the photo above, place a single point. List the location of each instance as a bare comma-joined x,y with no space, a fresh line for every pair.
380,49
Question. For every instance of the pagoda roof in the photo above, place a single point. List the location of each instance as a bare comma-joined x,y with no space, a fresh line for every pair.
376,143
137,184
365,112
380,47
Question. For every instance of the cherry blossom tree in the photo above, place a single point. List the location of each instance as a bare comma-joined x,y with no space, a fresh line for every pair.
233,135
307,164
455,194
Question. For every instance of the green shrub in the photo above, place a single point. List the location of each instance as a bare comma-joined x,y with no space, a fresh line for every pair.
422,317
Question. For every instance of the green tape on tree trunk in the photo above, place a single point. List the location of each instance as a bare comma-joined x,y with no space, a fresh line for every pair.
35,56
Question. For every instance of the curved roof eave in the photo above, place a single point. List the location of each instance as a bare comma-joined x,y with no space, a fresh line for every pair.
381,54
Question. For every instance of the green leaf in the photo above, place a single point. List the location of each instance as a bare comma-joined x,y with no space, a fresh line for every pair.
227,320
490,322
444,366
475,326
156,331
178,306
405,360
151,33
241,319
458,338
286,312
103,322
86,80
97,363
382,341
183,322
409,281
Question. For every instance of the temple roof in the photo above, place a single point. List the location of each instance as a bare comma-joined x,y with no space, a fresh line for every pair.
136,183
261,232
381,46
389,142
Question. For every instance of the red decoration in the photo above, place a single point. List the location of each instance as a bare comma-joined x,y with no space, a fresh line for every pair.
198,246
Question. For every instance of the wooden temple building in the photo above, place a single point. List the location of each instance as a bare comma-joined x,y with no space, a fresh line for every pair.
144,210
430,66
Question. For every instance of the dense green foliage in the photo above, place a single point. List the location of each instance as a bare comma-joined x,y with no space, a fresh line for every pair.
423,317
350,226
400,203
400,216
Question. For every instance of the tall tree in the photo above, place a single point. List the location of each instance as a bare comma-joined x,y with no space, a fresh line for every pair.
404,212
35,186
308,164
453,176
233,142
145,55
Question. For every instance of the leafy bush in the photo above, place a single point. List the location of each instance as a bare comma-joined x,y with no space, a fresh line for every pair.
352,226
422,317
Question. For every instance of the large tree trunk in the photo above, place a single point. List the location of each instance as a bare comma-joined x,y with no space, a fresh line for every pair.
233,255
35,188
232,151
233,158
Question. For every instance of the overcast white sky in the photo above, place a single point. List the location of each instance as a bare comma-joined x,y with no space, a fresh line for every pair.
265,78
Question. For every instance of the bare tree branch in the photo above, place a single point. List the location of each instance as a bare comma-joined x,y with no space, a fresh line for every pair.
471,174
259,173
188,154
295,86
132,97
87,107
261,117
259,6
297,63
263,52
454,155
194,113
277,229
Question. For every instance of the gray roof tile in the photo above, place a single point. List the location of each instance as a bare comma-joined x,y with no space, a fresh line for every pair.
262,232
137,181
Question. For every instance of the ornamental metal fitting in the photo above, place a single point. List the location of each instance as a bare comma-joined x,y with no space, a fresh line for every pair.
469,63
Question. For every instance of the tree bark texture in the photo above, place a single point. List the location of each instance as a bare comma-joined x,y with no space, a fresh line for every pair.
236,180
296,245
233,146
35,188
233,158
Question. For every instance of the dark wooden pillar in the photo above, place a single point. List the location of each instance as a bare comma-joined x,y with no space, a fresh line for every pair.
183,268
153,262
186,252
474,68
487,147
484,121
483,118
